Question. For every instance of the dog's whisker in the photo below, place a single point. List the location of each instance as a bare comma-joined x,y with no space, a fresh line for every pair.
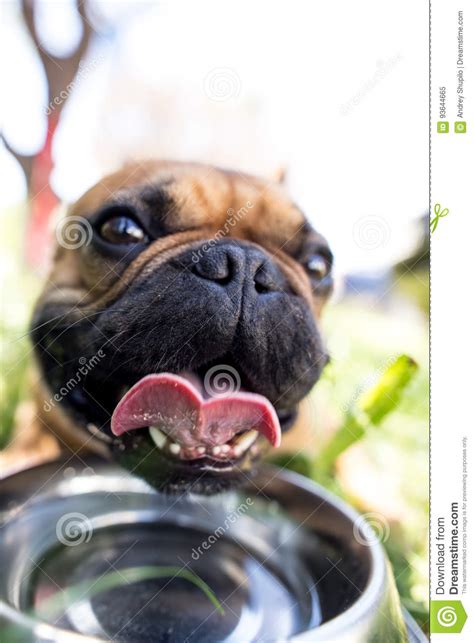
52,319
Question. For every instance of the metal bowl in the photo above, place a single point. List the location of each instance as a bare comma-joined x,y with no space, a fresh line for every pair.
89,552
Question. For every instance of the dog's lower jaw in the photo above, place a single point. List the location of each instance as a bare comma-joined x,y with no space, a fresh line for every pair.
166,476
72,439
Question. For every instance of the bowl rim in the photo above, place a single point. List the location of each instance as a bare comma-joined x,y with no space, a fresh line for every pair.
363,606
370,596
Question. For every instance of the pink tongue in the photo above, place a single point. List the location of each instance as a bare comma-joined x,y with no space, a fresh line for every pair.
174,405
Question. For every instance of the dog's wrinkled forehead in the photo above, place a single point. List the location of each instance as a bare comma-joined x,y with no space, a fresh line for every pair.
189,196
181,206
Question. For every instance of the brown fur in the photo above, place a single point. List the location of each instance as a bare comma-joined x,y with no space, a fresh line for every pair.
205,198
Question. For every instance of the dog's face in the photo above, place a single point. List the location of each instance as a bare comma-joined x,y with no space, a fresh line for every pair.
180,325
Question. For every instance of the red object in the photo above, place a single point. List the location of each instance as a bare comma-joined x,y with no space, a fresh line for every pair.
43,200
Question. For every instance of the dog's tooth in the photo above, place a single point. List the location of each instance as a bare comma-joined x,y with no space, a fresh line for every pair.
225,448
201,450
246,440
216,450
96,432
158,437
174,448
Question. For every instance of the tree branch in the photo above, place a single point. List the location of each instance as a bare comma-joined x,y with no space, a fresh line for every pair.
25,160
60,72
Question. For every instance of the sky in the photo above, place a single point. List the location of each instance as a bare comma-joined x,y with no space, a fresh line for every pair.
334,92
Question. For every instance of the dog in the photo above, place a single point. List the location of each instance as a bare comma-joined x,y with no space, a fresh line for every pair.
178,331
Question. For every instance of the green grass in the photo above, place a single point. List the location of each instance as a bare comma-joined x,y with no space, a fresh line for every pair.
13,368
19,287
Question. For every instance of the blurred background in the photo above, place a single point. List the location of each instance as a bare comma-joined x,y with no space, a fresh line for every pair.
334,94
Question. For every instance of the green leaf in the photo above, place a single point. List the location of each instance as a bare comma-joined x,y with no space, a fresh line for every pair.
54,605
385,396
369,410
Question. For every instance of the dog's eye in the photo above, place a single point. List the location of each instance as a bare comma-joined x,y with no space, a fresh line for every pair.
317,266
122,230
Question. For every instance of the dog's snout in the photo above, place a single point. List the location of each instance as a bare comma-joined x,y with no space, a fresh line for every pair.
217,265
225,264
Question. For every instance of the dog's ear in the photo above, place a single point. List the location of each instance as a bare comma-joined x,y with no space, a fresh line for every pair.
279,175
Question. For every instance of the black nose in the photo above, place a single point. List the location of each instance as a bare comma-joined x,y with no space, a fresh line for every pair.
228,263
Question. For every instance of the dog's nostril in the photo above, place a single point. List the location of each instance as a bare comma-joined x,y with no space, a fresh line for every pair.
224,263
263,282
261,288
223,281
213,270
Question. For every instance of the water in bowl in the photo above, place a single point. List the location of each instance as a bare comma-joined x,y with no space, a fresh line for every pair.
256,596
100,554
